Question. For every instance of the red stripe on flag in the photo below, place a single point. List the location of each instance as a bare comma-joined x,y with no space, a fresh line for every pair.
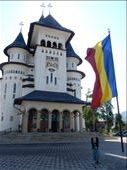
97,92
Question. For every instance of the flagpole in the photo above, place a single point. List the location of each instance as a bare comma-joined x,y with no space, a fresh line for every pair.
120,128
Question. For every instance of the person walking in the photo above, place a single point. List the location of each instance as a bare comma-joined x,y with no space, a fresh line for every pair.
95,149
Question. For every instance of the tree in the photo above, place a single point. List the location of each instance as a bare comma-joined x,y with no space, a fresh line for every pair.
105,113
92,116
88,116
88,112
118,122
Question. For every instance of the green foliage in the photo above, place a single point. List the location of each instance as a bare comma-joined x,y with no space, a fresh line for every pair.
118,122
88,116
104,112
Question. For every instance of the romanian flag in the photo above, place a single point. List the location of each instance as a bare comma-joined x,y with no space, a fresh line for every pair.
101,59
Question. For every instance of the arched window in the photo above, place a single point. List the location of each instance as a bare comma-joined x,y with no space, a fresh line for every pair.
48,44
43,43
60,46
54,45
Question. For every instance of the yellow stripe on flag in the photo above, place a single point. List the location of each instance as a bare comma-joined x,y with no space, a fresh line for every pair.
105,86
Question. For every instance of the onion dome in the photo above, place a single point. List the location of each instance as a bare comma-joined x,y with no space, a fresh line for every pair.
19,42
71,53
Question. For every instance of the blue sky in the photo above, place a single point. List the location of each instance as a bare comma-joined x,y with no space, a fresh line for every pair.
88,19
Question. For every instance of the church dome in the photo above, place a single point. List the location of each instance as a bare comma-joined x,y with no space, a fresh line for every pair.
19,42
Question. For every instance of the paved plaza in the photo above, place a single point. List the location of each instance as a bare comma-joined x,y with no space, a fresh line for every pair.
73,155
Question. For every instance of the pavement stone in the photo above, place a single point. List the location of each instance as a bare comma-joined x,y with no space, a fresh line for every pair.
58,155
47,156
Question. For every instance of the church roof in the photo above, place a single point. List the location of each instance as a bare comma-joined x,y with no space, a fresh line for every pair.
49,21
19,42
71,53
48,96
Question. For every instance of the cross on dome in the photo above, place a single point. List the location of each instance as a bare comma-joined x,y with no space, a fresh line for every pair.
43,6
21,25
49,6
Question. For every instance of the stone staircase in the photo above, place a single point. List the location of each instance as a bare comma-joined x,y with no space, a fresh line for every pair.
34,137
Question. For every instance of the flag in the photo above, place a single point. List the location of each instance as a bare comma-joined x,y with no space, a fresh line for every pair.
101,59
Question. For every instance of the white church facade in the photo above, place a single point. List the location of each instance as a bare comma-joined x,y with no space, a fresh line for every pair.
40,87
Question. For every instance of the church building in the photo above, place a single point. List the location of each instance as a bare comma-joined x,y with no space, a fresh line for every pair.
40,87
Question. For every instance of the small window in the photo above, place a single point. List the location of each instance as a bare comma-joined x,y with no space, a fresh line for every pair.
55,81
48,44
14,88
11,118
18,56
43,43
51,78
2,118
5,88
47,79
13,96
72,65
54,45
60,46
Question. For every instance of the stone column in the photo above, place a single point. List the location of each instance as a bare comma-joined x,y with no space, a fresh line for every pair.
77,122
61,121
25,123
72,121
81,122
50,120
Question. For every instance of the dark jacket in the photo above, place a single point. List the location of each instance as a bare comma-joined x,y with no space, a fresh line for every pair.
95,142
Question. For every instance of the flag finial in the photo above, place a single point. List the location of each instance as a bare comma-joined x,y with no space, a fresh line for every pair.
109,30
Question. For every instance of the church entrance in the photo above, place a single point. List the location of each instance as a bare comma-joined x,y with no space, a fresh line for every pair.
55,121
32,120
44,120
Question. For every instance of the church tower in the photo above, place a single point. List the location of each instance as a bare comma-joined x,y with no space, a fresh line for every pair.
48,39
12,75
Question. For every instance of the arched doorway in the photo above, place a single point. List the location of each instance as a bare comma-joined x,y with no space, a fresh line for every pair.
44,120
55,121
66,121
32,120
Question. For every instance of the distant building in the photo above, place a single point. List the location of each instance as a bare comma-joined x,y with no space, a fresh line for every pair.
40,88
